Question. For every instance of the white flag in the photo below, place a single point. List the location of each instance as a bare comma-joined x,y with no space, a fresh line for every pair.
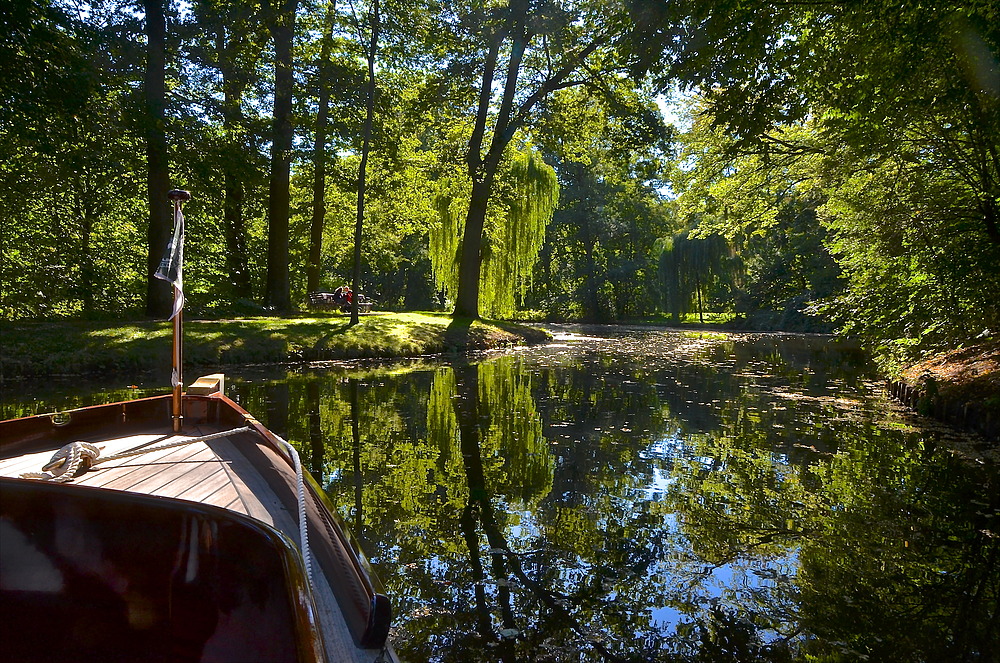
172,265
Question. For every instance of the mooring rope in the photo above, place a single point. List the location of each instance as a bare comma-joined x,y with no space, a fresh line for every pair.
65,463
303,523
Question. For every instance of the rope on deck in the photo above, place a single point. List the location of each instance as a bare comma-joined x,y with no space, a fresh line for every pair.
65,464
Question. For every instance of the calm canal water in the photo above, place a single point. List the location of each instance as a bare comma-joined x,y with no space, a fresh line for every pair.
650,495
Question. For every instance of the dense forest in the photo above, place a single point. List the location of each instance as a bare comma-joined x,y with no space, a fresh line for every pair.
595,160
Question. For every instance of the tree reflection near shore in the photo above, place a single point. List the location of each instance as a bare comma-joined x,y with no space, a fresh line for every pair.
654,496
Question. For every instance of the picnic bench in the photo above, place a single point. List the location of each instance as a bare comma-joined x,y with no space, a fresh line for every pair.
331,300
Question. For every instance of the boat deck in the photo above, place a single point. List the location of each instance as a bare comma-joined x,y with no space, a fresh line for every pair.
205,472
212,472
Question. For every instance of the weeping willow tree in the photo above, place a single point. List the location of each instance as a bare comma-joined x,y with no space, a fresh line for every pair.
527,196
442,426
445,242
689,268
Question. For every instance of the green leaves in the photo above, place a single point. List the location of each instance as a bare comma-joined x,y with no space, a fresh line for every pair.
526,197
886,140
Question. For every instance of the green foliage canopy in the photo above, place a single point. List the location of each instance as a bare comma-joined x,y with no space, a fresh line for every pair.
513,236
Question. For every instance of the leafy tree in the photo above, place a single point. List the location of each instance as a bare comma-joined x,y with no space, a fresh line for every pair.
765,203
395,215
690,268
521,52
69,167
608,145
935,285
902,96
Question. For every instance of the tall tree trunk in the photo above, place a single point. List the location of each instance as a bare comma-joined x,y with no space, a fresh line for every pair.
277,396
277,290
470,260
317,450
88,273
590,278
158,292
467,301
234,222
483,170
359,482
701,308
363,168
84,211
236,243
319,158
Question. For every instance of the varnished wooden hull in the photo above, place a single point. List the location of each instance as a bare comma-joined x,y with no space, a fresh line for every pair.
244,477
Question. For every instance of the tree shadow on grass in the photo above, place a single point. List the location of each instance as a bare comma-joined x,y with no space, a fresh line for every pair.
458,332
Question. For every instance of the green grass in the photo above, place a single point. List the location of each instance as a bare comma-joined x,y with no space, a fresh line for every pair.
687,320
76,347
705,335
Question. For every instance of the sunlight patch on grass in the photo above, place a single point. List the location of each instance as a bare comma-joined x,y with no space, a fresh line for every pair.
79,347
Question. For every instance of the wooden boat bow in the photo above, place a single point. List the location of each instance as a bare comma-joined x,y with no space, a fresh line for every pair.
226,467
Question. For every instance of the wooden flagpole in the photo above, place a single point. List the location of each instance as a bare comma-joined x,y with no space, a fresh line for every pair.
178,362
178,196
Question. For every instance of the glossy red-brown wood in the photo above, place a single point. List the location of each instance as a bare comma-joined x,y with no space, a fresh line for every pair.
365,607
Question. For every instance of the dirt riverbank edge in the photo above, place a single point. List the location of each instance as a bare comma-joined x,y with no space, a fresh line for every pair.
959,387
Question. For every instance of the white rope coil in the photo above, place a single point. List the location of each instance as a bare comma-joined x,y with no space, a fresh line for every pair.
65,463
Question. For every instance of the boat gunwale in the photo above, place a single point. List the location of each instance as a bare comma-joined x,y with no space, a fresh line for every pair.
44,432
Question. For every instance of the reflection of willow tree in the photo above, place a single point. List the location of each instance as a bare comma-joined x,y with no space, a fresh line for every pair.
479,508
895,559
515,431
516,452
475,427
415,483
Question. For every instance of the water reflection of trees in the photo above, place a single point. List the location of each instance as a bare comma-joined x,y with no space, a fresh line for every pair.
892,562
607,509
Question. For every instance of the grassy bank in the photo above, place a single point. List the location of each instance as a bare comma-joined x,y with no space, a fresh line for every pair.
75,347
